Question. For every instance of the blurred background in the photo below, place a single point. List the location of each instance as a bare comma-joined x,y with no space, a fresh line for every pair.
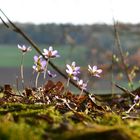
81,30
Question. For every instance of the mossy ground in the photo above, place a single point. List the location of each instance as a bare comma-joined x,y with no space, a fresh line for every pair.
53,113
41,122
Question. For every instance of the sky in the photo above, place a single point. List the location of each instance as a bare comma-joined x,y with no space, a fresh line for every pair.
72,11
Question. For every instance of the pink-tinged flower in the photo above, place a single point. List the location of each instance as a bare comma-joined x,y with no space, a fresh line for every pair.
50,53
82,85
39,64
72,71
94,71
24,49
72,74
75,68
52,75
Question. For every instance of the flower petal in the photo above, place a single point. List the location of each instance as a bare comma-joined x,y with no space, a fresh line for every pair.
99,70
80,82
67,70
24,47
50,48
45,51
94,68
29,49
89,67
68,66
36,58
97,75
75,78
43,64
73,64
77,68
19,47
54,53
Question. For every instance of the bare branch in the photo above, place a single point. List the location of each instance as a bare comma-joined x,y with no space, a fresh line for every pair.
121,53
125,90
4,22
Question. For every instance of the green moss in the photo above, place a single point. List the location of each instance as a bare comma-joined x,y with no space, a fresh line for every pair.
135,126
109,119
13,131
39,122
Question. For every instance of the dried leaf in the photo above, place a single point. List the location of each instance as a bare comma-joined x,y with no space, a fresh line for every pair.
59,87
28,92
7,87
48,86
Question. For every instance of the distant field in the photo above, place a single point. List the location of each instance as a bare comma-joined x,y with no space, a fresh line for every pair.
10,56
10,59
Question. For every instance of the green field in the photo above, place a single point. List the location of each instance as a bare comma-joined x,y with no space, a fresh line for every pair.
10,56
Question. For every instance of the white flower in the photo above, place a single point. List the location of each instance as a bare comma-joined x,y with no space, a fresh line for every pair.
72,71
50,53
72,74
94,71
75,68
81,84
24,49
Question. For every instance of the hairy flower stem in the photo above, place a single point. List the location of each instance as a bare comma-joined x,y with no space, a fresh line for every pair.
17,85
21,71
67,85
81,93
68,82
46,67
36,81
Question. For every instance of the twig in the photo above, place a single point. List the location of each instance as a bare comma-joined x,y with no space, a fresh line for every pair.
130,117
132,107
131,95
121,53
112,67
4,22
18,30
125,90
